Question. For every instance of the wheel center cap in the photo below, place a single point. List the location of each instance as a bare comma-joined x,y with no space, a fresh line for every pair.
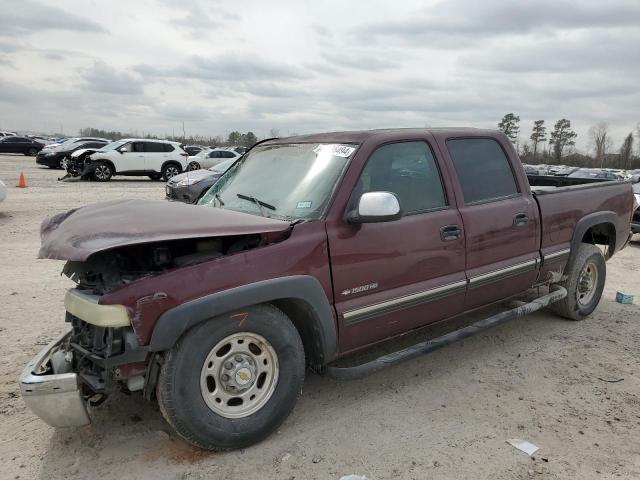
243,376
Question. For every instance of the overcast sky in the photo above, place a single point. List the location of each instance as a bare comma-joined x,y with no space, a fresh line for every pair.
301,66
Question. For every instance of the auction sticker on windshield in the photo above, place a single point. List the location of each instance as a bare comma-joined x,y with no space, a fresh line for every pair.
344,151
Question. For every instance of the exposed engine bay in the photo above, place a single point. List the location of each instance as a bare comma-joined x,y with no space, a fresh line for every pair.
110,269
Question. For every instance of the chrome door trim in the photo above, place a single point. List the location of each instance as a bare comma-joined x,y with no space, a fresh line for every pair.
559,253
502,273
364,313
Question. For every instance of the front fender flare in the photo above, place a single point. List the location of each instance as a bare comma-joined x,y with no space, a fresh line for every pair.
173,323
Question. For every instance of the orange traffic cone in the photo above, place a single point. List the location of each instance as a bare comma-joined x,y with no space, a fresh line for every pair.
22,183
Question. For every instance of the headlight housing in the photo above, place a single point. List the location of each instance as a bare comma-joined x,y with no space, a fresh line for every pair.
188,181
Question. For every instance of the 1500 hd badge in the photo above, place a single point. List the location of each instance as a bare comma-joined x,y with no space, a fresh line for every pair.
360,289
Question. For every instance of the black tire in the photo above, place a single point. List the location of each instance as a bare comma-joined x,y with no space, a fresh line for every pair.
193,166
102,172
155,176
169,170
181,399
32,152
578,305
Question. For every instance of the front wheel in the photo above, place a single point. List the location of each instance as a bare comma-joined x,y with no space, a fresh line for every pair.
585,282
232,380
32,152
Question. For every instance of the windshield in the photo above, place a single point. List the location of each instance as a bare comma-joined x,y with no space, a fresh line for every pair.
113,145
294,181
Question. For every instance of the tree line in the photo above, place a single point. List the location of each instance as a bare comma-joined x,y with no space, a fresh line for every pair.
556,146
235,139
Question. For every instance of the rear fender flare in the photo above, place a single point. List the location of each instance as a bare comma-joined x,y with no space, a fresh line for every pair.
585,223
173,323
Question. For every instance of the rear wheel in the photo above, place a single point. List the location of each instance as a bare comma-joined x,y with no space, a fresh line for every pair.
63,163
170,170
231,381
585,282
103,172
32,152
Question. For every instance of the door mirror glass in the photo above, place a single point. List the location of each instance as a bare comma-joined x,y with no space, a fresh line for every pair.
376,207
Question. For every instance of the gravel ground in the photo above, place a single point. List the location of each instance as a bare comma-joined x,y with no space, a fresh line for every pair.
443,416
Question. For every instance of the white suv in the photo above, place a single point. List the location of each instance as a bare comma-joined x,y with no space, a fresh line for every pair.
211,158
138,156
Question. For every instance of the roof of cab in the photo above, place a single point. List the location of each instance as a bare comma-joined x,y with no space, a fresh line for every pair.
359,136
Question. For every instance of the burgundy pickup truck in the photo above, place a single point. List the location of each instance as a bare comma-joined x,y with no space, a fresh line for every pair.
310,248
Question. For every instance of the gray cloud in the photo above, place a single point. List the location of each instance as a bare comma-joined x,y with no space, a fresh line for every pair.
106,79
30,16
226,67
459,22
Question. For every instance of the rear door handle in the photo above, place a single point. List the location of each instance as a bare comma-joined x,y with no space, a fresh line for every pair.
520,220
450,232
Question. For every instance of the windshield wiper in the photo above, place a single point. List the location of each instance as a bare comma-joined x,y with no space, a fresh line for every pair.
257,202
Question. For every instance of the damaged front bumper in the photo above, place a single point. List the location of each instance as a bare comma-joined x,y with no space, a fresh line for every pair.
55,398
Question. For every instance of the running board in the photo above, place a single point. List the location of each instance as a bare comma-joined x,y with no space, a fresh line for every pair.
357,371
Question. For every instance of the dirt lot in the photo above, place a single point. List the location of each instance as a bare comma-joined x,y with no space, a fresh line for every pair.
446,415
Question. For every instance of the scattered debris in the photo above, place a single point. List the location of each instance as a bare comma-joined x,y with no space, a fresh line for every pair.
623,297
523,445
610,381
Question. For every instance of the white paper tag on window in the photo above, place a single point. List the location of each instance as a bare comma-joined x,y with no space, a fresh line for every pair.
306,204
344,151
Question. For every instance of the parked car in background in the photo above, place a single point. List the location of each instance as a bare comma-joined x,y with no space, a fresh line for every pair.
210,158
23,145
188,187
3,191
8,134
594,174
635,221
58,157
565,171
193,149
137,156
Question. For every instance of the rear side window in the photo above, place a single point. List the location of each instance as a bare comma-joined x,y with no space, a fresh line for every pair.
482,168
153,147
407,169
167,147
228,155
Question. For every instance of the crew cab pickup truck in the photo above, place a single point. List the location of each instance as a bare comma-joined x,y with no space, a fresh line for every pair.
307,249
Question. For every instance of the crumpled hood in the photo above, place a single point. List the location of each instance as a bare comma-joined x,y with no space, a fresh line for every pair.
78,233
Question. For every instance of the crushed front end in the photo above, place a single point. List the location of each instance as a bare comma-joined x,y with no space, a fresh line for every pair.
98,355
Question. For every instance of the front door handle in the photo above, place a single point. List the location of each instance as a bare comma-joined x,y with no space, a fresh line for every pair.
520,220
450,232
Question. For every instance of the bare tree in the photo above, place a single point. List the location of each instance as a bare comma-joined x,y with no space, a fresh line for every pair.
601,140
538,135
626,151
274,133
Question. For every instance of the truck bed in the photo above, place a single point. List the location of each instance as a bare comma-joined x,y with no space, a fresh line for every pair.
564,201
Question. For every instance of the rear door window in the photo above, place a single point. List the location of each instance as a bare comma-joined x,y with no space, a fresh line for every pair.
482,168
167,147
154,147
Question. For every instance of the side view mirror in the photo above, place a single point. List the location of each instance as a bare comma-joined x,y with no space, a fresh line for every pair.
376,207
123,150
